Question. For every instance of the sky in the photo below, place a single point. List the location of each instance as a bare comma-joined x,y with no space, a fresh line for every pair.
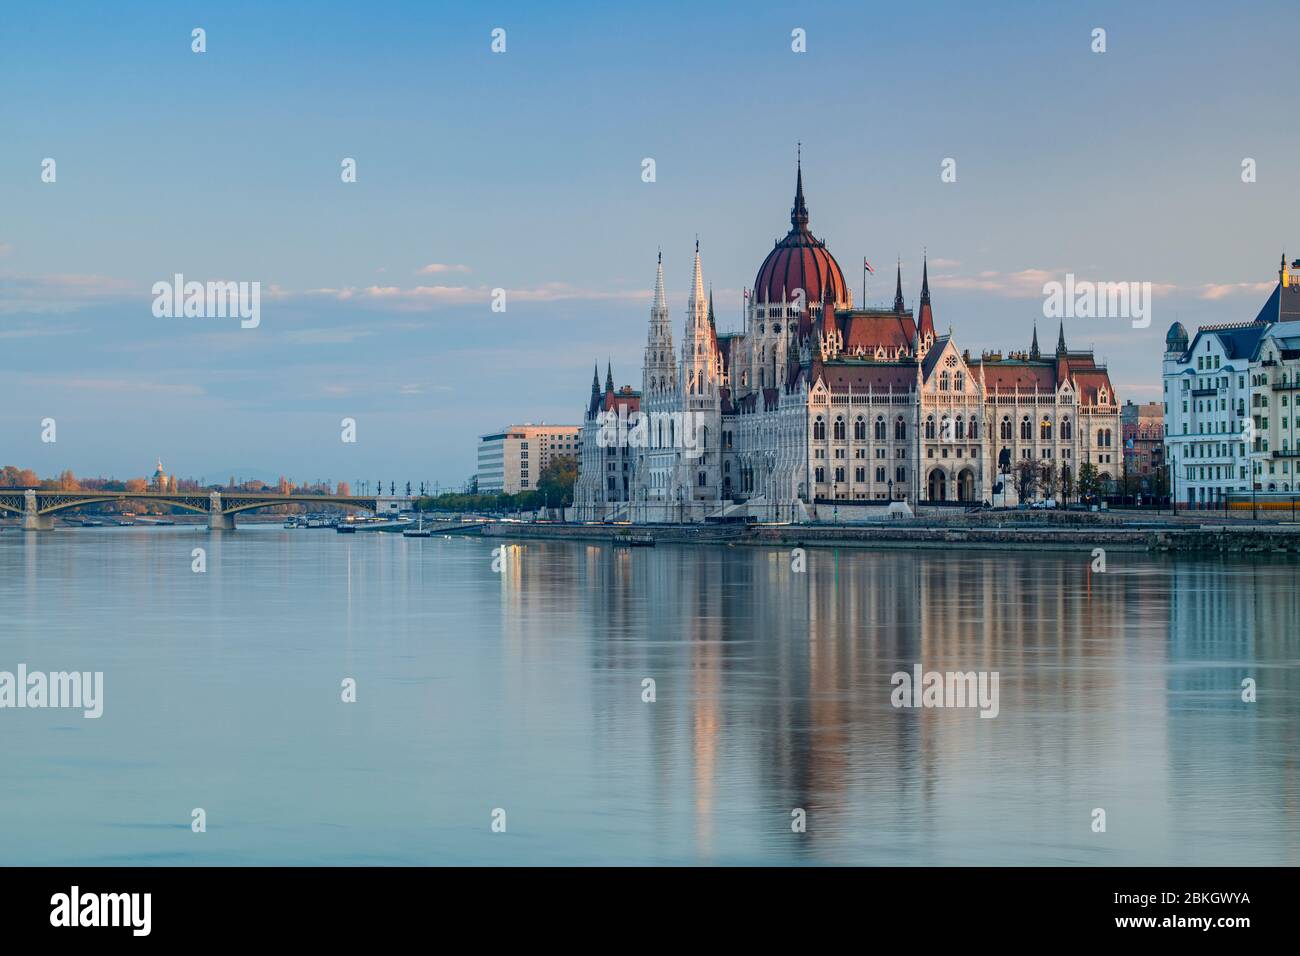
522,170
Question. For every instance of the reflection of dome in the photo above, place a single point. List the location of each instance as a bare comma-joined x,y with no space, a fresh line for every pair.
1176,339
800,261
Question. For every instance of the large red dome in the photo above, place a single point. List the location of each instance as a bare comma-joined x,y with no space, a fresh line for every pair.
800,261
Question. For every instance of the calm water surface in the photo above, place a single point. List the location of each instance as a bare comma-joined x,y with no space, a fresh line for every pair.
523,691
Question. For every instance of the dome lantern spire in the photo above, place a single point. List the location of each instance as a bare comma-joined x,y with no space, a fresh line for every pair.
799,212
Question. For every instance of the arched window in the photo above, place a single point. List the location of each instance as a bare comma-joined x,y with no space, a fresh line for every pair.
943,381
819,430
929,427
1004,430
900,429
839,428
1067,431
881,433
1045,429
961,428
958,382
859,429
1026,429
974,428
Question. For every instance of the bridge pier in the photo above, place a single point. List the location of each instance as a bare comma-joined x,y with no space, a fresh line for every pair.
33,520
218,520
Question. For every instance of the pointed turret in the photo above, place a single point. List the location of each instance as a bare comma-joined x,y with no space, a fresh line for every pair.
925,316
1033,346
661,301
593,404
1060,339
898,288
699,342
695,301
659,370
830,331
609,378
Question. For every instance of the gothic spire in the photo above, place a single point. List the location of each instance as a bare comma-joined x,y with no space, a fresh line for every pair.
799,213
1033,347
609,378
1060,339
595,379
898,289
924,313
697,283
661,303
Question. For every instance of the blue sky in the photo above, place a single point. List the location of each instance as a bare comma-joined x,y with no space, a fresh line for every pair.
522,171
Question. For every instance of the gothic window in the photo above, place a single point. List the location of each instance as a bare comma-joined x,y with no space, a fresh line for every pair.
1004,430
1045,429
880,428
839,429
1067,431
961,428
819,430
958,382
974,428
1026,429
943,382
929,427
900,429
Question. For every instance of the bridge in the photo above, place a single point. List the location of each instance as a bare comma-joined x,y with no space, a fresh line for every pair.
38,508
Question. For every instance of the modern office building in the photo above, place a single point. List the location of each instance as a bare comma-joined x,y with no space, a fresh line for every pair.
512,460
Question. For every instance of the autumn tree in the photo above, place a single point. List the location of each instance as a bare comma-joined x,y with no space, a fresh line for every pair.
557,480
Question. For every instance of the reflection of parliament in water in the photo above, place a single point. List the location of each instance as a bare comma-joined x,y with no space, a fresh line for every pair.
788,673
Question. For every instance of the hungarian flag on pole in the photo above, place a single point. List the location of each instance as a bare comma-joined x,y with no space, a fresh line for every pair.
867,265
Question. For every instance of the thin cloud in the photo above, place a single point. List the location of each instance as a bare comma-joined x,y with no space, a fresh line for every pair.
1027,283
119,385
1214,292
61,292
438,268
423,298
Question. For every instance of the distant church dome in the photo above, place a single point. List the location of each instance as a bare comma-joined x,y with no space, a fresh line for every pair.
800,261
1176,339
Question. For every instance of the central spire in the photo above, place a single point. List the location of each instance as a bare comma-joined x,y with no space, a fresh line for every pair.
799,214
898,289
